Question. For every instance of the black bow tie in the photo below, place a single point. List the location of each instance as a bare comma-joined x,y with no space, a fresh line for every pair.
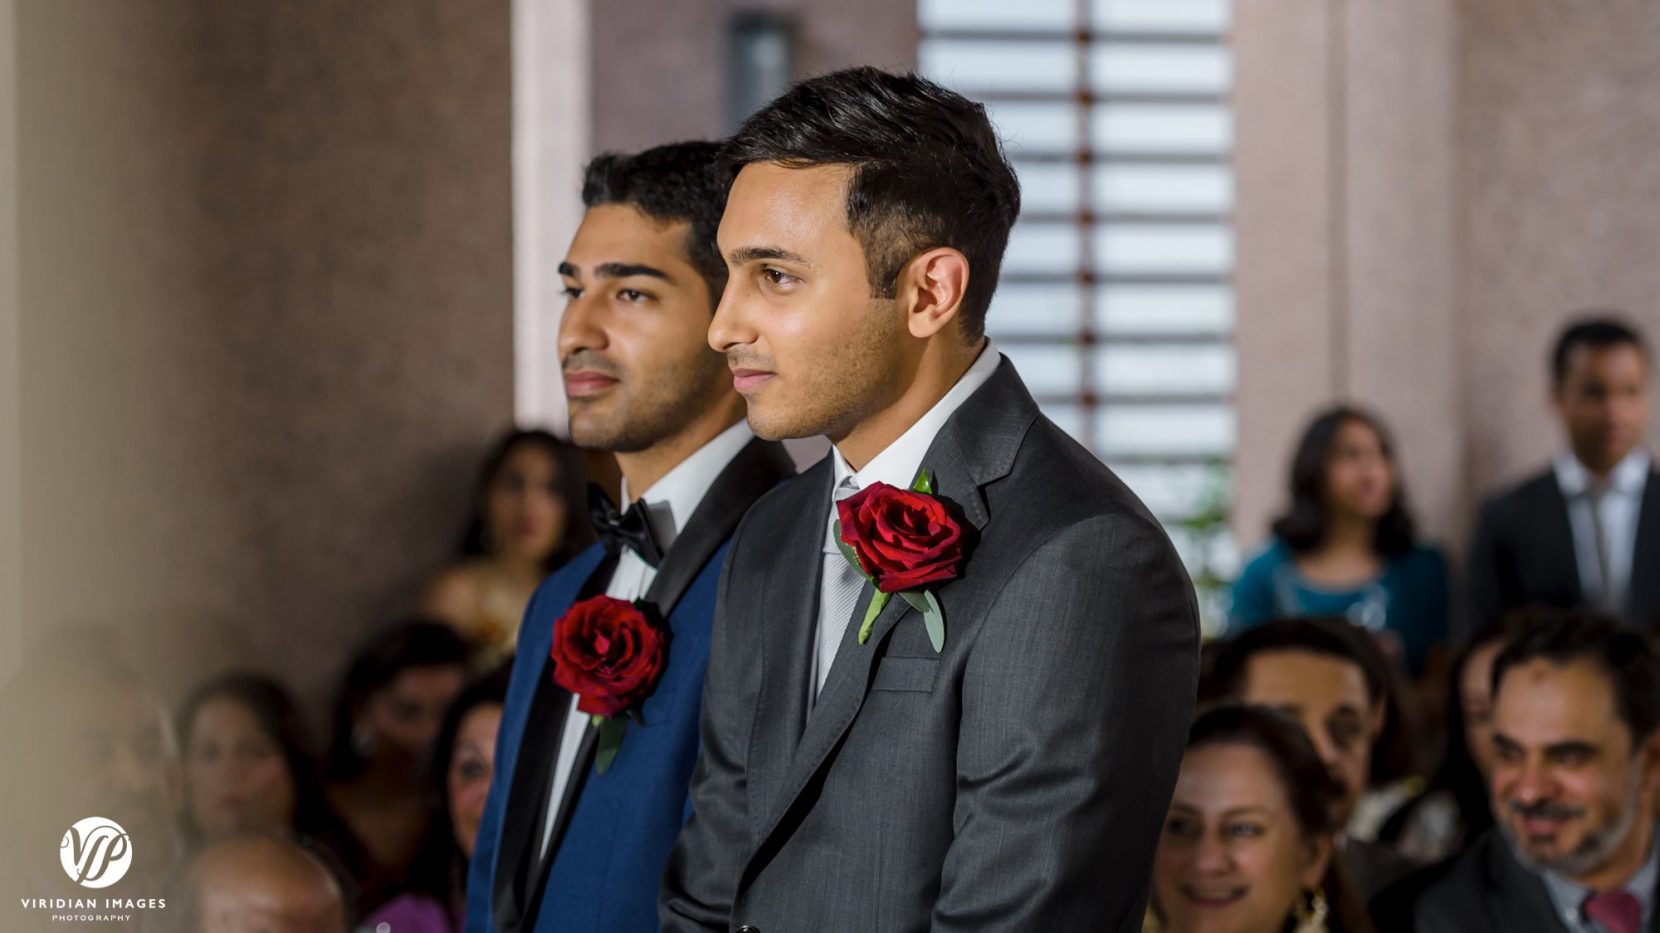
618,530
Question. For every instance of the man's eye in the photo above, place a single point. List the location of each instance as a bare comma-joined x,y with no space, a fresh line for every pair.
632,296
572,293
777,277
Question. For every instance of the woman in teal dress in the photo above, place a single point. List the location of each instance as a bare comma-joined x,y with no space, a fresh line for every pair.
1347,546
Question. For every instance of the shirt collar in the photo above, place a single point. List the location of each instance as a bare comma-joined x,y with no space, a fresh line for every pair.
898,463
1569,897
670,501
1627,477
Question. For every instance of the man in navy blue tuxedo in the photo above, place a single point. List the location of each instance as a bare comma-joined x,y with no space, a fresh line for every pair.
565,845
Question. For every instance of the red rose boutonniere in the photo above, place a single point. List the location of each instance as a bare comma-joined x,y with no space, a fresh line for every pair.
610,655
902,541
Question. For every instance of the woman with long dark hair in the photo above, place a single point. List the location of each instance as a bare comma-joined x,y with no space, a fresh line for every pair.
1347,545
527,519
458,781
249,768
1251,840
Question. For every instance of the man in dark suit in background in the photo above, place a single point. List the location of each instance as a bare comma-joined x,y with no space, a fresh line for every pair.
994,747
1576,728
568,843
1586,531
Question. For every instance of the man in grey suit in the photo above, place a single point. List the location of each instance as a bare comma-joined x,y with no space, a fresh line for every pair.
995,748
1576,731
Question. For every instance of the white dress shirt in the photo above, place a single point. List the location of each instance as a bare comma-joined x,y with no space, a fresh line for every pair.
669,503
1617,509
896,465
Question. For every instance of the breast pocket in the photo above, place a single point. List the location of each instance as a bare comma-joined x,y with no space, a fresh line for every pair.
906,675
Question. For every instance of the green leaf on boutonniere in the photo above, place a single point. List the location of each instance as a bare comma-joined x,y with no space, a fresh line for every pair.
611,729
933,617
878,599
848,552
923,482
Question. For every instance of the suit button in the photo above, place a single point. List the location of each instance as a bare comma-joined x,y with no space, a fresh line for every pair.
746,928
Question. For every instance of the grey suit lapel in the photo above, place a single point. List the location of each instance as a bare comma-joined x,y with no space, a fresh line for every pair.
787,602
976,447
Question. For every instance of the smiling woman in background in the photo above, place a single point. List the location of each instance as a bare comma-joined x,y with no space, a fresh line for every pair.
1346,547
1249,845
527,519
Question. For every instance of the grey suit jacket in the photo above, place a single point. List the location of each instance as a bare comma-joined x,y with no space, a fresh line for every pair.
1015,781
1488,891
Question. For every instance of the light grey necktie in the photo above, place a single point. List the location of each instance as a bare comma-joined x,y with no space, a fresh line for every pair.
1607,599
839,591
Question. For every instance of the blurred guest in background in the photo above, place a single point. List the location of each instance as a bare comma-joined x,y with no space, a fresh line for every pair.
1454,808
528,517
254,884
463,763
1249,845
84,736
249,768
1586,531
1576,705
1327,675
387,715
1346,547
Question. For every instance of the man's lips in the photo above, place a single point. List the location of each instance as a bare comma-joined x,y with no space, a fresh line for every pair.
581,383
748,380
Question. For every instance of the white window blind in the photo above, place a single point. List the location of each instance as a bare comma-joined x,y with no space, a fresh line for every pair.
1116,301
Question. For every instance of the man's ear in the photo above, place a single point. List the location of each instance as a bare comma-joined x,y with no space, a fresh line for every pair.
1649,762
930,290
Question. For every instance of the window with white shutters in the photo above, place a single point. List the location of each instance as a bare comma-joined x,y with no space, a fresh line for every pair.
1116,301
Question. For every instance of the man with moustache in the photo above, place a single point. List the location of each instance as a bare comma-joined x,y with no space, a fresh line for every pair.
582,812
990,740
1586,531
1576,708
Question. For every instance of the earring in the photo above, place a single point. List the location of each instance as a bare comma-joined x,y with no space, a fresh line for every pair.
364,742
1311,911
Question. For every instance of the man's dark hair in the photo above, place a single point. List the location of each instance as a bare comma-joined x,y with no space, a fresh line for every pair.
1598,333
1626,656
1332,636
928,171
678,182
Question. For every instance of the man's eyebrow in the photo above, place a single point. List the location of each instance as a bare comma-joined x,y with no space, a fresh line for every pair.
616,270
750,254
623,270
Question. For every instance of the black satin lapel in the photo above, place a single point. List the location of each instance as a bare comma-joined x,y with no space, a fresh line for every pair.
758,467
567,804
527,798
